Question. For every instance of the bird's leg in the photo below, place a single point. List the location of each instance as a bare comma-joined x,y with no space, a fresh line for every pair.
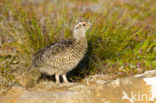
57,78
65,80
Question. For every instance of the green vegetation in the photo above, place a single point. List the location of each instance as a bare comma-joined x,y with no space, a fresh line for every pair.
122,37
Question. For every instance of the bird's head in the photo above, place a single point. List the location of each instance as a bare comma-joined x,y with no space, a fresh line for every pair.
80,29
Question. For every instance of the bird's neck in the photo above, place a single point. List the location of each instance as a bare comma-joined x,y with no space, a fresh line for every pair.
79,35
82,42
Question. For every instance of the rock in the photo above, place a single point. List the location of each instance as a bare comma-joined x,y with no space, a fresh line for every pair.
139,88
16,89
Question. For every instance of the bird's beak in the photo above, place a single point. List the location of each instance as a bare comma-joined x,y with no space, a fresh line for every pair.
89,24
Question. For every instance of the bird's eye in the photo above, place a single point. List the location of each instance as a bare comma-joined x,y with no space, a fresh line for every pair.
84,24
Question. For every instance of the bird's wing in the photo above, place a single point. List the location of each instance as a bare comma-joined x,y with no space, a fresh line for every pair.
51,51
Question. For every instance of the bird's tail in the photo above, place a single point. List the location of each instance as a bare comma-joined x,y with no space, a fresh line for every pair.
31,77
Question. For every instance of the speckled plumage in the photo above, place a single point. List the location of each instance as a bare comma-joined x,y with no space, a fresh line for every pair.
61,57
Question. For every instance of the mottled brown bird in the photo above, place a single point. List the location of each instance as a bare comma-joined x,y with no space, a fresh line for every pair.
61,57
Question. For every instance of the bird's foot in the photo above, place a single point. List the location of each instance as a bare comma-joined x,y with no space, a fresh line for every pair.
65,80
57,79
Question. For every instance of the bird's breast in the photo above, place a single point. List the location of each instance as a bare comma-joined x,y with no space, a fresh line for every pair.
69,58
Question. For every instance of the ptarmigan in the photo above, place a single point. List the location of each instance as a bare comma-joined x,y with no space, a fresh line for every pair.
61,57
